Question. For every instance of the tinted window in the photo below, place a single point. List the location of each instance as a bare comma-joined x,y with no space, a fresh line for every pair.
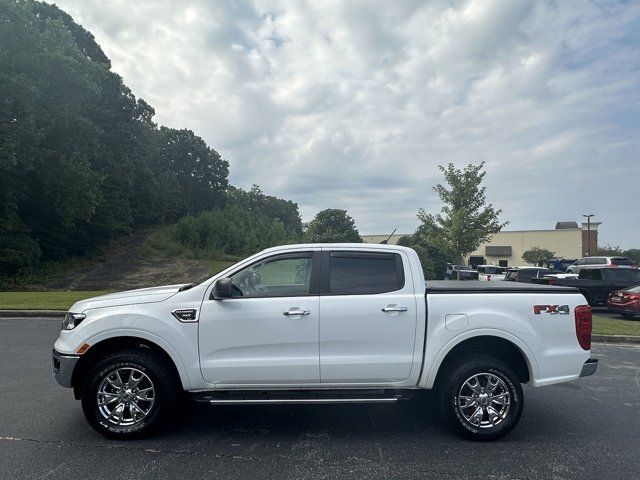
623,275
358,274
595,261
511,275
525,275
591,274
622,261
281,276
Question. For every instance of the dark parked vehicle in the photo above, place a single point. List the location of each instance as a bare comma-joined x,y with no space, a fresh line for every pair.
525,274
625,302
463,274
597,283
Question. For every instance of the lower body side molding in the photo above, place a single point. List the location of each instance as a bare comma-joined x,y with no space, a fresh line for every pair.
292,397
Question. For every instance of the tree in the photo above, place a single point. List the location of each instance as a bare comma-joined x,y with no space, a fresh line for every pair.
537,255
433,260
615,251
332,225
465,220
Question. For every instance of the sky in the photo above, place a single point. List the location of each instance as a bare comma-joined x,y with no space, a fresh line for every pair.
354,104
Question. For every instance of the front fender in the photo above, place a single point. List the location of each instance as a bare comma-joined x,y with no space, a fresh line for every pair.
144,335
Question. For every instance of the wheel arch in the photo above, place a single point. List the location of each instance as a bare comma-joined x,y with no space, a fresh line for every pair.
119,342
501,345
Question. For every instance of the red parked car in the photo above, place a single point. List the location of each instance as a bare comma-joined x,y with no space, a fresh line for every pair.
625,302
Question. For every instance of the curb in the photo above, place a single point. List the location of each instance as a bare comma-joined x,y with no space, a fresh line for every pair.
615,339
32,313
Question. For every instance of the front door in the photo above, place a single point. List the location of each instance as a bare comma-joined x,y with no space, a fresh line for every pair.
267,334
368,318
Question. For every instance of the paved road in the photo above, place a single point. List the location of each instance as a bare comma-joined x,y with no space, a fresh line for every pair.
586,429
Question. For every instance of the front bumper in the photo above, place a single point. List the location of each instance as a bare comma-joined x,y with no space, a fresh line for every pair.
589,367
63,367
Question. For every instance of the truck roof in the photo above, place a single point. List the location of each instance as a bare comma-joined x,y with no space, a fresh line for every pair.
337,246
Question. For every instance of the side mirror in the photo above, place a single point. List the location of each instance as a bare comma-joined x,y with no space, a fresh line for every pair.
222,289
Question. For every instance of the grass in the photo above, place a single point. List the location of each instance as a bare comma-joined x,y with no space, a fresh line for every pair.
43,300
613,326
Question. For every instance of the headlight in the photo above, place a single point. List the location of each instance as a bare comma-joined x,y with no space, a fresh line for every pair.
71,320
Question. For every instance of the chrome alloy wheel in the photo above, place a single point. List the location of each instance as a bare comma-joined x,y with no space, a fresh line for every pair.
484,400
125,396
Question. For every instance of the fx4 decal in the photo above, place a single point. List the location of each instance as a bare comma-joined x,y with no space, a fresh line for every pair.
552,309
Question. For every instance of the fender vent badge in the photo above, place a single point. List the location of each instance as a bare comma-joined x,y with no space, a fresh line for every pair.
186,315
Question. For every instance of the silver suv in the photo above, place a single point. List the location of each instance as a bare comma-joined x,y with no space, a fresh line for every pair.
599,262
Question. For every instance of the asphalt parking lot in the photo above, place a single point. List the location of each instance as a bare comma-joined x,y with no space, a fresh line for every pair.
585,429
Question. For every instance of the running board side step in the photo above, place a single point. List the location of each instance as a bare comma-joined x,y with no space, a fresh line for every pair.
300,397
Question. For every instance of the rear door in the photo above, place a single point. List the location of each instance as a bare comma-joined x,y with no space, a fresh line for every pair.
367,317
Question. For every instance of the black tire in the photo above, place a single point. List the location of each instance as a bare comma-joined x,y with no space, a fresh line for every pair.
628,316
156,370
452,385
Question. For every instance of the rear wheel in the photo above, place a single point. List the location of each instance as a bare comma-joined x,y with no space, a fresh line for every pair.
481,397
128,393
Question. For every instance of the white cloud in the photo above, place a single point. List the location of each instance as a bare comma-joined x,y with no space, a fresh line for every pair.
354,104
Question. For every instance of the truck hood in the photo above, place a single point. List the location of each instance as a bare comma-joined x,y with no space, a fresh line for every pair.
129,297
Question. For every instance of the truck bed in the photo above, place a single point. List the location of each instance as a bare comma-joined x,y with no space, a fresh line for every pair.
474,286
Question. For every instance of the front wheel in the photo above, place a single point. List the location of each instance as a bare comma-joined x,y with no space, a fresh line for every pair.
128,393
481,397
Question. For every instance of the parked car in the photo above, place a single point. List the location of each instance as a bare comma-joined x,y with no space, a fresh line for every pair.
491,273
559,264
322,323
552,278
524,274
626,302
599,262
596,283
465,273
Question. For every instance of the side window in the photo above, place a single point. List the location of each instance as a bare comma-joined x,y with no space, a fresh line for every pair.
364,273
581,261
280,276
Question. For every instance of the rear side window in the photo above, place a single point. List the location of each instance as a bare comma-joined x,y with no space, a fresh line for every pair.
364,273
591,274
622,261
623,275
526,275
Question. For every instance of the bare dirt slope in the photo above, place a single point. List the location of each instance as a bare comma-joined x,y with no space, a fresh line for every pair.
123,268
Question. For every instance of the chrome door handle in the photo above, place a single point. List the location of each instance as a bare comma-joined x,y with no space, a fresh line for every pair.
394,309
295,311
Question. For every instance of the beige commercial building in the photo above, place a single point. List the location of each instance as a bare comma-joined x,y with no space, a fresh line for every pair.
567,240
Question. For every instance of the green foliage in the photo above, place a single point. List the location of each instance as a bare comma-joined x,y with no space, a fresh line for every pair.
537,255
465,220
614,251
332,226
433,260
81,160
250,222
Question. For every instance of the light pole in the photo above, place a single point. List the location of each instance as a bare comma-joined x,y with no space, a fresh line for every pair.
588,217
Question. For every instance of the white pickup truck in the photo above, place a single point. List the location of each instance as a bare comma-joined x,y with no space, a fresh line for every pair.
322,323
